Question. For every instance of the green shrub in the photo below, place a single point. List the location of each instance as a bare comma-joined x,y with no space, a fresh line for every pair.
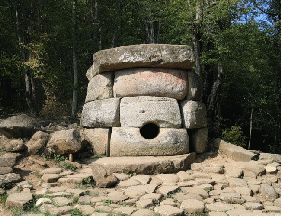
234,136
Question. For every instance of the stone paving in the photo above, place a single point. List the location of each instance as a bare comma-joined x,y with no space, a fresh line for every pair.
217,186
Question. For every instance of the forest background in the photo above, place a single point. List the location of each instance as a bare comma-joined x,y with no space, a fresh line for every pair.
47,47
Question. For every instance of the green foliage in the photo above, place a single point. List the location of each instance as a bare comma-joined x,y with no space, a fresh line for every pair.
234,136
3,199
8,185
107,202
68,166
76,212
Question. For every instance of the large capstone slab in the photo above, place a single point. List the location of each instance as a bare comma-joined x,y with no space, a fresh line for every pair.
128,141
137,111
144,55
151,82
101,113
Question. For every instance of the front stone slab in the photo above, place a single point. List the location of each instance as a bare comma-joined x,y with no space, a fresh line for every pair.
101,113
146,164
193,114
144,55
100,87
99,139
137,111
128,141
151,82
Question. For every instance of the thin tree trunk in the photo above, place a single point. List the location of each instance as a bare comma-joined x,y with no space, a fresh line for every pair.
214,98
94,16
30,94
75,80
117,23
251,128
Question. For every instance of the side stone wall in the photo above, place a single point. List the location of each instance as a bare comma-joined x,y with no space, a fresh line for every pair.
147,99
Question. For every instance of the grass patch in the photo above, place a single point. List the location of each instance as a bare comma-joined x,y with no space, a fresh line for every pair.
107,202
76,212
68,166
3,199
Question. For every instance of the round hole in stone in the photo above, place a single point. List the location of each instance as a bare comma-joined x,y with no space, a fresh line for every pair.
150,131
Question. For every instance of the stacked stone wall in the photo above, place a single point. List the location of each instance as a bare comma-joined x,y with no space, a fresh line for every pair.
144,100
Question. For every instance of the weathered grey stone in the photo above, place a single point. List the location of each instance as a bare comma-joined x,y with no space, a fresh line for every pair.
233,172
137,111
144,55
192,206
18,199
20,126
231,198
65,142
253,206
153,196
128,183
168,201
41,201
62,201
50,178
143,212
168,178
195,190
124,210
168,189
37,142
14,145
214,168
180,197
121,176
100,87
251,167
219,206
272,168
85,209
8,159
148,188
195,87
145,203
277,202
127,141
5,170
198,139
102,177
167,210
193,114
52,170
143,179
145,164
99,139
101,113
268,192
234,152
161,82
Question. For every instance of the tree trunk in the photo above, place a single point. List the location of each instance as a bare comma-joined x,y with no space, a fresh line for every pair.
251,128
30,92
214,98
75,80
94,16
117,23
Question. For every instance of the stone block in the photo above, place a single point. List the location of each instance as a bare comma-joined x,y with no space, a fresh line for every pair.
193,114
160,82
234,152
137,111
195,87
101,113
65,142
127,141
18,200
144,55
99,139
5,170
100,87
145,164
37,142
8,160
198,139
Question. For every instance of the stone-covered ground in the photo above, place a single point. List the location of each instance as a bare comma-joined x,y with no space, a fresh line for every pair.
215,185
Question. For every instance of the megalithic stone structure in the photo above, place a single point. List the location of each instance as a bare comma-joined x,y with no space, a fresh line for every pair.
148,99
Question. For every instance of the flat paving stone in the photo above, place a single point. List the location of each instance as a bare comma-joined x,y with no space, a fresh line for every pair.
18,199
168,201
143,212
117,196
219,206
213,213
85,209
145,203
153,196
165,190
124,210
192,206
62,201
195,190
50,178
180,197
52,170
143,179
253,206
128,183
167,210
